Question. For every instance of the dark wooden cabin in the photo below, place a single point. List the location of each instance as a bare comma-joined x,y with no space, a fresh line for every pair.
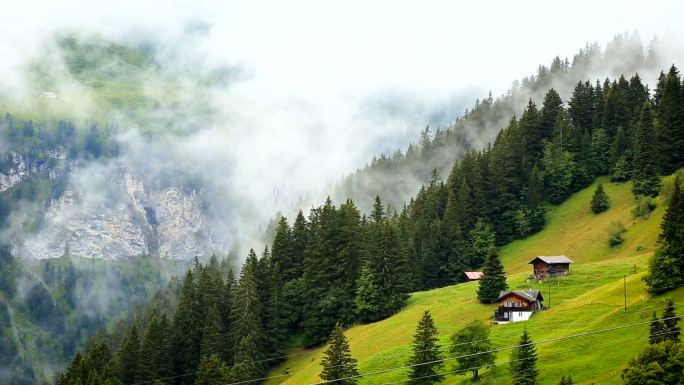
543,266
518,305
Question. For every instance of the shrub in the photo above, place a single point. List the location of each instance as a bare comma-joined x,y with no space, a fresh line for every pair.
644,206
617,229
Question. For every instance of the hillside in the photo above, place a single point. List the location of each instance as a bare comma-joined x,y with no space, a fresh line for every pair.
591,298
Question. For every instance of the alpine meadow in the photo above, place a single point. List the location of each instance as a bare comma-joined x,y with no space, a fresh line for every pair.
224,193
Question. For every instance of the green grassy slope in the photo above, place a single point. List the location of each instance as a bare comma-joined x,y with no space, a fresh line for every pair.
591,298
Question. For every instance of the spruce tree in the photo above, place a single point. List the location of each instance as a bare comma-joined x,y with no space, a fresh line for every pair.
599,202
368,300
211,371
129,357
247,310
646,181
670,319
155,355
666,264
187,328
565,380
493,281
425,353
670,114
524,362
656,330
249,359
214,338
338,364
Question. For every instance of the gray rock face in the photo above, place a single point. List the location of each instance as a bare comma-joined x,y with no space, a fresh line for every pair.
117,217
21,168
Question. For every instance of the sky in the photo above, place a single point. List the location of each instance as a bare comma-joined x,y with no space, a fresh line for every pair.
324,86
329,50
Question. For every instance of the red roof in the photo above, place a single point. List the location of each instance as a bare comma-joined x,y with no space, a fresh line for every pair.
474,275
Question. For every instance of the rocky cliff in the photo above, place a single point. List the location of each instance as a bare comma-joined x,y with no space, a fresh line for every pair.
118,216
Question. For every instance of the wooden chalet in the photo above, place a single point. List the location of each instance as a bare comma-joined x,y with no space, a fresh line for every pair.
518,305
473,275
544,266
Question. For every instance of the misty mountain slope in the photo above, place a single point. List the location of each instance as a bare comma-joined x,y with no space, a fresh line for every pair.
101,81
590,298
49,308
396,177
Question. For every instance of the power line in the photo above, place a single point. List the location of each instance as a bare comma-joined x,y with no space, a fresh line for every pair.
399,354
491,351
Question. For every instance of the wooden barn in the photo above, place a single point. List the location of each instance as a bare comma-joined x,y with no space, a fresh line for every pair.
518,305
544,266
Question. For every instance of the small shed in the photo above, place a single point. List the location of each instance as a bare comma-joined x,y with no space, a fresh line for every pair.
473,275
545,266
518,305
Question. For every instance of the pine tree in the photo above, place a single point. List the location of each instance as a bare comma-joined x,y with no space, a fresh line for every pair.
656,330
338,364
667,264
214,338
211,371
155,355
425,353
670,319
247,327
187,328
472,347
599,202
368,300
249,359
670,115
129,357
493,281
282,251
646,181
524,362
565,380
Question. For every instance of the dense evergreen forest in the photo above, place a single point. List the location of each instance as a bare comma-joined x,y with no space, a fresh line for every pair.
339,265
396,176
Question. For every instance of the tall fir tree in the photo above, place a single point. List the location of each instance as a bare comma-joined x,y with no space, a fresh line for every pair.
214,336
211,371
669,111
667,264
600,201
524,362
425,353
129,357
656,330
187,328
155,353
645,177
493,281
670,320
338,364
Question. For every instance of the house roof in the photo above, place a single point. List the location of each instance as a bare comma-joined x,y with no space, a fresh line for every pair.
528,295
474,274
553,260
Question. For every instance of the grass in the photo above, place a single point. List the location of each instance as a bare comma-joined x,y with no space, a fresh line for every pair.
590,298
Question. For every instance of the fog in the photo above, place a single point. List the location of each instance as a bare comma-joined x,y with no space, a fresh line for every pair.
309,91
